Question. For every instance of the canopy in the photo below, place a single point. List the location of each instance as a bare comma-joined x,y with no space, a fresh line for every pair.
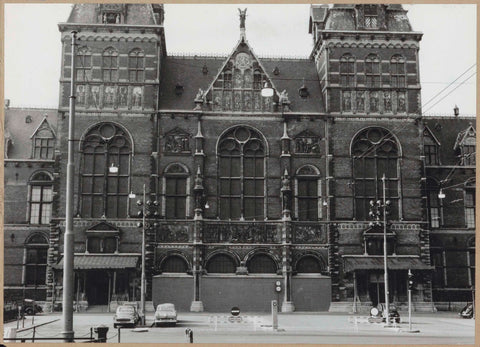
365,262
101,261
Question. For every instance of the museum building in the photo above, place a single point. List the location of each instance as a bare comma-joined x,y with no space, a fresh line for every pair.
246,196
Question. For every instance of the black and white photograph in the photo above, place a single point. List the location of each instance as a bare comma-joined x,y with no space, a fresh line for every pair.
239,173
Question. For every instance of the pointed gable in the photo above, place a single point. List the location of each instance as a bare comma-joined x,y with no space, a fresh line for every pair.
103,228
44,130
238,84
466,137
429,137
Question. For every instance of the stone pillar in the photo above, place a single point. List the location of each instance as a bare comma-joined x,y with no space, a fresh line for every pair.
286,191
287,305
197,304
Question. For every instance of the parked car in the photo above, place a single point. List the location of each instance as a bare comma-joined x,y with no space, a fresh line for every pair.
125,315
467,311
30,307
165,314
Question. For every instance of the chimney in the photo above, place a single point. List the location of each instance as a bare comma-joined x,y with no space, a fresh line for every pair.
456,111
7,103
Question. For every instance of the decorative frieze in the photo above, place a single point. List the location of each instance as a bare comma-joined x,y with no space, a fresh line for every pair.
242,233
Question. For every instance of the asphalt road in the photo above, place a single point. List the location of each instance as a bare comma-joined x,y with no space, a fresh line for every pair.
308,328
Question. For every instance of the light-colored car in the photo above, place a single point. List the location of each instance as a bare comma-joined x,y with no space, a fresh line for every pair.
125,315
166,314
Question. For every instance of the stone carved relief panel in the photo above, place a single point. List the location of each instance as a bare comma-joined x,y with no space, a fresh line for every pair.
309,233
242,233
177,141
307,142
172,233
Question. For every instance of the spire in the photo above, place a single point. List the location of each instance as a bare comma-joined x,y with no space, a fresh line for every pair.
243,16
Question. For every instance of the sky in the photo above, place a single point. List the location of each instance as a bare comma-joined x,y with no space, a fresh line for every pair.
447,50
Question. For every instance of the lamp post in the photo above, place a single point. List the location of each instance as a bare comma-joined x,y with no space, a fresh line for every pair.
143,203
375,207
69,237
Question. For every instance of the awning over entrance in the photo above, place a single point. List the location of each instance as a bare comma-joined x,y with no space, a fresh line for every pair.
101,261
362,262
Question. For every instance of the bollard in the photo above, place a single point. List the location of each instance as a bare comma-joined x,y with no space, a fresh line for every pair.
101,332
118,334
274,315
189,334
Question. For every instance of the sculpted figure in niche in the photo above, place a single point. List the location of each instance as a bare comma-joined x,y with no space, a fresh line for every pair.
283,99
200,95
137,97
347,102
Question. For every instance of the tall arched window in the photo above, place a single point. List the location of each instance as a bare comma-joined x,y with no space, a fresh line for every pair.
347,70
434,203
104,193
35,265
397,71
308,193
241,153
372,70
136,66
176,186
40,198
84,65
110,65
469,203
375,153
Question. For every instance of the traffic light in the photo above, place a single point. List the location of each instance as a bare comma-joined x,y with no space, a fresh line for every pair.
410,280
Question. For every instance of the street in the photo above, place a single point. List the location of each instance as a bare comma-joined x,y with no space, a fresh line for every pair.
309,328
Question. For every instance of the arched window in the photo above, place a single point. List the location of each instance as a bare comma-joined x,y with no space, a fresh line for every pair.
469,203
397,71
347,70
308,193
84,65
174,263
104,193
434,204
221,263
261,263
309,264
110,65
176,185
375,153
241,154
136,66
40,198
35,265
372,70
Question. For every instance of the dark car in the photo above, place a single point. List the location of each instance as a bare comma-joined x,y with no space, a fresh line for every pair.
30,307
467,311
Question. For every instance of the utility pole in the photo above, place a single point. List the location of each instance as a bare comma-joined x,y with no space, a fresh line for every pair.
69,236
142,288
387,308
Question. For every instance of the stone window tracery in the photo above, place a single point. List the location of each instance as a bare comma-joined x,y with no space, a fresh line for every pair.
375,152
104,193
84,65
308,201
435,207
371,16
176,184
241,153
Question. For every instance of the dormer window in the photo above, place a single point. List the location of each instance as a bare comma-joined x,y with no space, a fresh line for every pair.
110,18
371,17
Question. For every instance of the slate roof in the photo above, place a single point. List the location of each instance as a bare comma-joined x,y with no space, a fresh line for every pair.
187,71
20,131
446,130
136,14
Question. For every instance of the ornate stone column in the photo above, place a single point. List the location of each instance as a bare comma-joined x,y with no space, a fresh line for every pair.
286,191
287,305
